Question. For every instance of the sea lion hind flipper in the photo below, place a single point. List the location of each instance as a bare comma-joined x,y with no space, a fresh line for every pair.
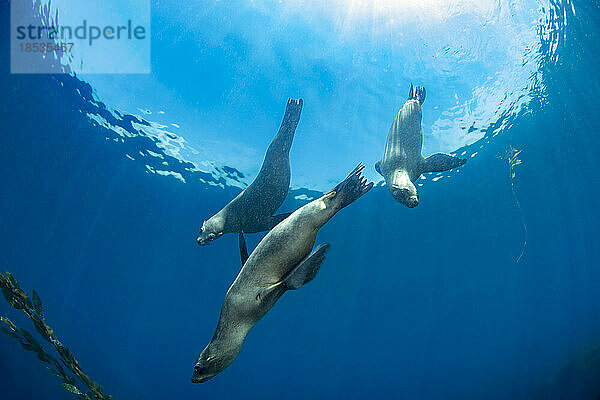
417,93
243,248
420,94
306,270
351,188
291,117
441,162
285,135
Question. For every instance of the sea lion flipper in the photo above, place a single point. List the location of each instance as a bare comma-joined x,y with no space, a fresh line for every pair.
299,276
243,249
267,224
441,162
306,270
420,94
378,167
417,93
291,117
350,189
274,220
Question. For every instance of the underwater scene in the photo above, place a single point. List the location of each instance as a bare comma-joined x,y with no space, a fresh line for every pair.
349,199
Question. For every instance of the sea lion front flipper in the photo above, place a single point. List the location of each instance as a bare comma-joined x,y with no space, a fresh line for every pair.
275,219
270,222
243,249
306,270
300,275
441,162
267,224
378,167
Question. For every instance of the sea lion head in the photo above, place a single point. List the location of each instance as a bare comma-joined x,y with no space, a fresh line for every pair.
403,189
211,230
211,362
406,195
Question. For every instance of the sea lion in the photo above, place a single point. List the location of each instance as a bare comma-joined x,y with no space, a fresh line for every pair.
402,162
282,261
252,210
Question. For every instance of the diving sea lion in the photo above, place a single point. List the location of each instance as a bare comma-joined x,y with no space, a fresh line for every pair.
280,262
402,162
252,210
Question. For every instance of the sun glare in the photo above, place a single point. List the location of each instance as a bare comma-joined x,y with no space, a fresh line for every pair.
407,9
381,16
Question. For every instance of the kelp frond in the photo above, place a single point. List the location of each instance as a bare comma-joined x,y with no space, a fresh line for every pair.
82,387
512,157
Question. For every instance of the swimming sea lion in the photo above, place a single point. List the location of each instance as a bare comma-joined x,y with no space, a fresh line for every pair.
252,210
280,262
402,162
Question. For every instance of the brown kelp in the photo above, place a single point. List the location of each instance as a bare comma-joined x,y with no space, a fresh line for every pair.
512,157
67,369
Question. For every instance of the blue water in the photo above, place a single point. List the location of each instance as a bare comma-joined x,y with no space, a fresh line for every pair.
434,302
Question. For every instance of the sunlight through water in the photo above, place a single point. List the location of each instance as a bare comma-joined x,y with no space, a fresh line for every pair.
480,58
481,62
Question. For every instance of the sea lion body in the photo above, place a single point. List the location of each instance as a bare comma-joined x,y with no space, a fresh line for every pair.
282,261
402,163
252,210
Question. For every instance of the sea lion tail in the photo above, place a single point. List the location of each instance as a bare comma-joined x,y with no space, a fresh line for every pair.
351,188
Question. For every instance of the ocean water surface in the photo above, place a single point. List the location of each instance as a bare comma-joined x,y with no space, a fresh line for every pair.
489,289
